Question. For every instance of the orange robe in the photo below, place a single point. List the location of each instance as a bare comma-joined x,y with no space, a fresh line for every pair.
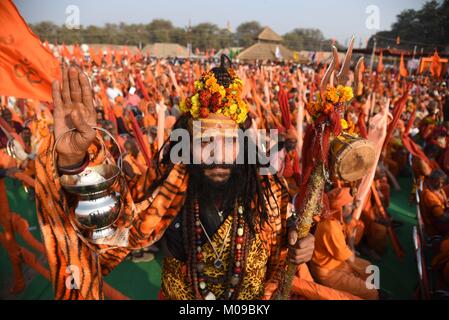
330,264
376,233
434,204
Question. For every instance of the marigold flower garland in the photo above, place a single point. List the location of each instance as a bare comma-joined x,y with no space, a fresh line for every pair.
211,97
334,97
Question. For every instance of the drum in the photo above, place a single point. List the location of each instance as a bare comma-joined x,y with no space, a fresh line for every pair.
352,157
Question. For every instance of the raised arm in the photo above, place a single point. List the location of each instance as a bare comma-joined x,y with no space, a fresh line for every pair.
76,264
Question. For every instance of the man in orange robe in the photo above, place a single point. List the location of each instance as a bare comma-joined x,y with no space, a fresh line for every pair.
333,263
435,203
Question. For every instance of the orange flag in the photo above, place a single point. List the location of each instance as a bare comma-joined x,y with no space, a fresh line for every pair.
139,55
435,66
94,56
77,53
118,57
402,69
65,52
27,68
380,64
108,57
100,56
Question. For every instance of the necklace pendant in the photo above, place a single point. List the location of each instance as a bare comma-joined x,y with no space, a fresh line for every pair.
218,263
210,296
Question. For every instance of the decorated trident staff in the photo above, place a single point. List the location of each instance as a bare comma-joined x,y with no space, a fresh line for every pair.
331,149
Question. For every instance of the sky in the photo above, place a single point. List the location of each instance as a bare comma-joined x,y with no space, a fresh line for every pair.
337,19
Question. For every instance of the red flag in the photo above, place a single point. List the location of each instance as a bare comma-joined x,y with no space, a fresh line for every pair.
402,69
141,86
380,64
26,67
398,109
435,66
140,139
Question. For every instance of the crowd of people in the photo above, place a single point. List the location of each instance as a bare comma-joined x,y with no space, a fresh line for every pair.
140,99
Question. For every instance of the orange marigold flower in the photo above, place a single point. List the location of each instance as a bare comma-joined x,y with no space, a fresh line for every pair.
204,112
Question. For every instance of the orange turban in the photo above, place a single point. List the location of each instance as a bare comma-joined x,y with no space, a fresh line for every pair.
339,197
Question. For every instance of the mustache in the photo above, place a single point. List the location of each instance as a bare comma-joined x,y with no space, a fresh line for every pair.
217,166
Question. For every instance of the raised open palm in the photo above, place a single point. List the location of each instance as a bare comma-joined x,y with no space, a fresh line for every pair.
74,108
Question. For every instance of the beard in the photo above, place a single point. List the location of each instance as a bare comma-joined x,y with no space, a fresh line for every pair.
215,177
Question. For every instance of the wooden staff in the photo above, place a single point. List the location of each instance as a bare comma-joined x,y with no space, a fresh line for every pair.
310,207
392,234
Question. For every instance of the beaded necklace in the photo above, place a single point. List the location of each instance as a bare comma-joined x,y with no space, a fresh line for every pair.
239,241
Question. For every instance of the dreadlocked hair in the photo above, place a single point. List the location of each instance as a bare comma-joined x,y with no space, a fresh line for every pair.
253,191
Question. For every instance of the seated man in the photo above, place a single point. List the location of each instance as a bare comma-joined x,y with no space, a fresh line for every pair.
435,203
333,263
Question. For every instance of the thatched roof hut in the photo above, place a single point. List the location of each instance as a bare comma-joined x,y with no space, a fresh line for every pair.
268,47
165,50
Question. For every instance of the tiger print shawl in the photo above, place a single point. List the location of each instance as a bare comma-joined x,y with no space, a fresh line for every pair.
66,252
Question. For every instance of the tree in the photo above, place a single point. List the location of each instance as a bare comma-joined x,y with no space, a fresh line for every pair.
247,32
205,35
159,30
427,28
307,39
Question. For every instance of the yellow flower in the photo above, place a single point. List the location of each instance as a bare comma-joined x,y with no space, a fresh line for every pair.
344,124
214,87
195,111
239,82
233,108
196,100
222,91
242,116
211,81
345,93
199,85
183,106
332,95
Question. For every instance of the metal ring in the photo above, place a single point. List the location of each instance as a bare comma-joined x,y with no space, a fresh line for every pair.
120,159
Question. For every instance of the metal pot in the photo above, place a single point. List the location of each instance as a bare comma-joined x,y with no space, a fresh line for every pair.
98,204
